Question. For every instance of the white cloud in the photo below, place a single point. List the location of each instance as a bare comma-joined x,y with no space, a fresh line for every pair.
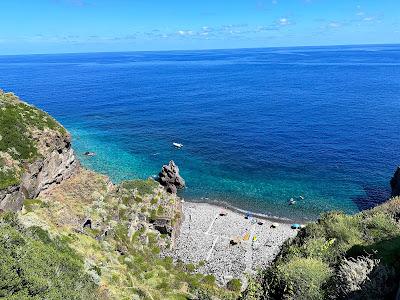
334,24
363,16
283,21
369,19
185,32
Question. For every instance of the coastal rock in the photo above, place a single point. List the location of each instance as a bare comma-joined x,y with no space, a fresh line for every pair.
395,183
363,278
35,157
163,226
58,164
170,178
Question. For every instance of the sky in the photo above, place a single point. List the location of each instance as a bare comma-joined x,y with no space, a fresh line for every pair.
64,26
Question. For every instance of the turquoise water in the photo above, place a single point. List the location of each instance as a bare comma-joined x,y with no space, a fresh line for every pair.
259,126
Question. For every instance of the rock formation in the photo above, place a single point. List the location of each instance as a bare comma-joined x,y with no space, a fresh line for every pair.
395,183
50,158
170,178
363,278
43,173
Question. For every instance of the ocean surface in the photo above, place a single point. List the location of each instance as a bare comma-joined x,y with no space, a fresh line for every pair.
259,126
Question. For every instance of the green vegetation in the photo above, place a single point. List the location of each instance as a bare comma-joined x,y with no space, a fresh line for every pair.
308,264
35,266
304,274
31,204
126,262
15,134
234,285
8,176
144,187
19,122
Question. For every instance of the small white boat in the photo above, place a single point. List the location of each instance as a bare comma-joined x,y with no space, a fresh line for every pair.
177,145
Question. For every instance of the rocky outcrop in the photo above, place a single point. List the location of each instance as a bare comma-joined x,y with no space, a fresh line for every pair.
57,162
363,278
170,178
395,183
35,152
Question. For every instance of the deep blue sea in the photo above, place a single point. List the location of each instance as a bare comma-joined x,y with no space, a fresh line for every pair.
259,126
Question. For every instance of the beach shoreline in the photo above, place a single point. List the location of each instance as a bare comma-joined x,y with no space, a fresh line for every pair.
224,242
230,207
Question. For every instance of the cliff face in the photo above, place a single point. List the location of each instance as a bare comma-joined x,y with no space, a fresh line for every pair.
35,152
43,173
395,183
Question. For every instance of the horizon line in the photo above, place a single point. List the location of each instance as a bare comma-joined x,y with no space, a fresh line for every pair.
200,50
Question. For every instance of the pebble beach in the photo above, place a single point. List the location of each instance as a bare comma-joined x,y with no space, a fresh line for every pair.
226,243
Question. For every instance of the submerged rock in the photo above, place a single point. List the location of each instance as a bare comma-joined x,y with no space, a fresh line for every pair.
395,183
170,178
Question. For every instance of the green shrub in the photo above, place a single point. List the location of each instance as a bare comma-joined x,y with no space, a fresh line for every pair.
155,250
144,187
347,230
160,210
15,134
234,285
254,290
303,278
190,268
305,266
34,266
209,280
31,204
153,215
8,177
378,227
17,120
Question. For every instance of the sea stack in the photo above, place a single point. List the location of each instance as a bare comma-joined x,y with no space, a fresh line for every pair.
395,183
169,178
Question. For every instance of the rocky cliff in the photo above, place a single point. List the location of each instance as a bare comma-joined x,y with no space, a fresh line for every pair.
35,152
395,183
119,234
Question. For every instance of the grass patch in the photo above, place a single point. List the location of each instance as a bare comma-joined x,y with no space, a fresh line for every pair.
31,204
8,177
34,266
15,134
144,187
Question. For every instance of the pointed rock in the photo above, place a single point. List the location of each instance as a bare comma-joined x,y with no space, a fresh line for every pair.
170,178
